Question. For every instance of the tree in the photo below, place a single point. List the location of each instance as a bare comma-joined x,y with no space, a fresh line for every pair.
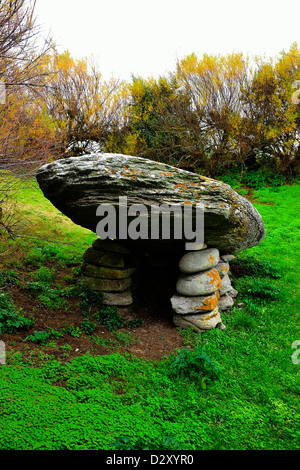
25,133
271,116
84,107
189,118
218,113
26,138
154,130
214,87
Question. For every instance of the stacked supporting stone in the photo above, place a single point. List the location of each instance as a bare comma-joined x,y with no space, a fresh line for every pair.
196,302
203,290
108,268
227,293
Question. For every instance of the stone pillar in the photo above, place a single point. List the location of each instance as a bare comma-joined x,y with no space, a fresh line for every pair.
199,288
227,292
108,267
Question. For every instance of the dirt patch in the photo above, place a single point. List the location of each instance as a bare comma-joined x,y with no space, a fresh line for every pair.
155,338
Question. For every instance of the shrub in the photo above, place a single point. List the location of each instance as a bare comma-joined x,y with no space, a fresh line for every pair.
195,365
43,337
88,297
256,287
110,318
11,319
52,298
9,278
87,327
49,297
258,267
44,275
134,323
72,331
256,179
233,178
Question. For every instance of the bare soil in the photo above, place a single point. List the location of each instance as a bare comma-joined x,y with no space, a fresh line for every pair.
156,338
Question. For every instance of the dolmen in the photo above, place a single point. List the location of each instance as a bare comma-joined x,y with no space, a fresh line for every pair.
141,209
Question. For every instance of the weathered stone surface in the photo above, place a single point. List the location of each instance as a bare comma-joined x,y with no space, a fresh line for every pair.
204,283
78,185
110,245
192,305
106,273
108,285
198,247
102,258
222,268
225,302
227,258
198,323
226,286
119,299
196,261
233,293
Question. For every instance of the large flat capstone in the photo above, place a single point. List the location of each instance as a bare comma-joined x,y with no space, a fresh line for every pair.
78,185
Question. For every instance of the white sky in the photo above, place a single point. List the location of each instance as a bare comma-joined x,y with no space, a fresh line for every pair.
144,38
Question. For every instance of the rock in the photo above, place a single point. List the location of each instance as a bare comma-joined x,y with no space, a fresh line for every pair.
188,305
226,286
233,293
76,186
204,283
119,299
106,273
222,268
198,323
198,247
110,245
108,285
196,261
104,258
227,258
225,302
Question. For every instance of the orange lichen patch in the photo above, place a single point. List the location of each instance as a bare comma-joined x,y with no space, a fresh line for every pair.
132,173
209,316
188,202
215,278
184,186
165,174
224,269
211,259
206,179
210,303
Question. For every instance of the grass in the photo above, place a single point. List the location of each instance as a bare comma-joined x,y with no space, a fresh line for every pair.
37,240
118,401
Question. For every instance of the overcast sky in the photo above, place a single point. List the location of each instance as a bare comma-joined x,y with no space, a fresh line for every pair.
144,38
